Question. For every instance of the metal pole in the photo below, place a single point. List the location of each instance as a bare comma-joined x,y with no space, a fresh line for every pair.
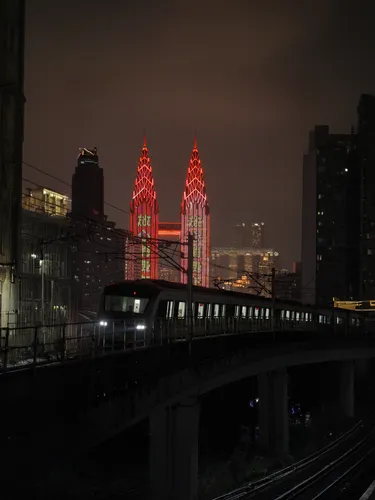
190,287
273,296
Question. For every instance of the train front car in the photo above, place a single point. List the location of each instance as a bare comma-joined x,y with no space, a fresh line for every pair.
125,314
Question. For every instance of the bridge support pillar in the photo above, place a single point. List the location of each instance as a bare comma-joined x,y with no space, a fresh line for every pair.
174,434
273,411
347,388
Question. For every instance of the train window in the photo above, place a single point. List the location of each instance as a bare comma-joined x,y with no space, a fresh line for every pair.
181,310
339,320
261,313
287,315
170,308
282,314
209,310
267,313
223,309
244,311
216,310
250,312
302,316
320,318
256,312
297,316
120,303
162,309
200,313
236,311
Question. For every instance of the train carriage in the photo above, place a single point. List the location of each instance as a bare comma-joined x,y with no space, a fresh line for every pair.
152,310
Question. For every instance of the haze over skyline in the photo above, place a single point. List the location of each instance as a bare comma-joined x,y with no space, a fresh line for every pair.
251,79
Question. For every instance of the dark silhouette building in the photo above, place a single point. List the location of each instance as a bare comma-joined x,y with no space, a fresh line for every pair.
88,186
329,231
12,37
99,258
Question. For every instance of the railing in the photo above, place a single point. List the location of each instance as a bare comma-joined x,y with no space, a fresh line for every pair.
45,344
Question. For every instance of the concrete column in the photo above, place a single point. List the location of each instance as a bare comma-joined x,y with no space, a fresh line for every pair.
273,411
264,409
280,411
347,388
174,451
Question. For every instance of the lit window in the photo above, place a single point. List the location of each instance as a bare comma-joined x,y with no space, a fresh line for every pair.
181,310
216,310
200,310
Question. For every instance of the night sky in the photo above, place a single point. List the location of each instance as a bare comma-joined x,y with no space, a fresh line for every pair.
250,77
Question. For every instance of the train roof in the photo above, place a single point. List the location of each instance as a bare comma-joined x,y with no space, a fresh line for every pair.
154,286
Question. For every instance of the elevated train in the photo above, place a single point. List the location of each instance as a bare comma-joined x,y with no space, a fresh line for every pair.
153,309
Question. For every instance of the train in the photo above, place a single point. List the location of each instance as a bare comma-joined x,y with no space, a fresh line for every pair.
154,309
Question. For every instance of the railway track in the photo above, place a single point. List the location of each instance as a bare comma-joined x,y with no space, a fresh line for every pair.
284,480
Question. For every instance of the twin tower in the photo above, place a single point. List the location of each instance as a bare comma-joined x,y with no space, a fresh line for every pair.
194,219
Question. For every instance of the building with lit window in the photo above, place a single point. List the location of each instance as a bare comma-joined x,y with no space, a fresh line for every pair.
144,224
233,267
45,201
195,219
242,237
12,41
257,230
330,204
47,292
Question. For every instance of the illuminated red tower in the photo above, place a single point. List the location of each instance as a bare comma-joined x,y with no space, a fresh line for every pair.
195,218
144,210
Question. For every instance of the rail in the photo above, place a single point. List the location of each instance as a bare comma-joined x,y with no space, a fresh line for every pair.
261,484
31,346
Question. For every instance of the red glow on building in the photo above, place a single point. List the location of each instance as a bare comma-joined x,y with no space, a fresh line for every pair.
195,218
144,210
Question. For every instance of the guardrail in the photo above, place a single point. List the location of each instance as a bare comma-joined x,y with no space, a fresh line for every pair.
261,484
31,346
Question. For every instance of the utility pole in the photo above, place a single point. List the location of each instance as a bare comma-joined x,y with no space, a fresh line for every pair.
41,263
190,244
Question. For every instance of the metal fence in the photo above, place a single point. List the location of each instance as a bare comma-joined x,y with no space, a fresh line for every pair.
27,347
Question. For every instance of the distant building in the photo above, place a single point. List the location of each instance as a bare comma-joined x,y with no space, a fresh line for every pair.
233,266
88,186
100,246
288,285
144,222
170,232
257,229
47,288
12,40
242,237
45,201
99,260
330,201
195,219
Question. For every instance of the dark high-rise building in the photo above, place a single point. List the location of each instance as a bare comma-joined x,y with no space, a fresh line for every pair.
88,186
242,236
257,229
329,232
12,35
364,188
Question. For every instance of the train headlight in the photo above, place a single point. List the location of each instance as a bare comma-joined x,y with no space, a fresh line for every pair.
140,327
103,323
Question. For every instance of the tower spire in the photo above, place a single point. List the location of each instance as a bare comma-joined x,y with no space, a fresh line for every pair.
144,139
195,140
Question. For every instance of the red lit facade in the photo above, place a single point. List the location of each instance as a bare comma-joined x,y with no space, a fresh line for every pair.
144,213
195,218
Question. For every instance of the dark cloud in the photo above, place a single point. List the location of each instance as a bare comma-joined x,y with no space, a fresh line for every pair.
251,77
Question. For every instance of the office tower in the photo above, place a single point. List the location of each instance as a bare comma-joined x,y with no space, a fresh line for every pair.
88,186
144,223
195,219
242,235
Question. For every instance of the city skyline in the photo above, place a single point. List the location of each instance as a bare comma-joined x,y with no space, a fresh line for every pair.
257,86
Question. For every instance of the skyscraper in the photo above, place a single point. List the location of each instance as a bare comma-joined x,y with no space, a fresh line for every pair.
330,233
257,229
144,223
195,219
88,186
12,38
